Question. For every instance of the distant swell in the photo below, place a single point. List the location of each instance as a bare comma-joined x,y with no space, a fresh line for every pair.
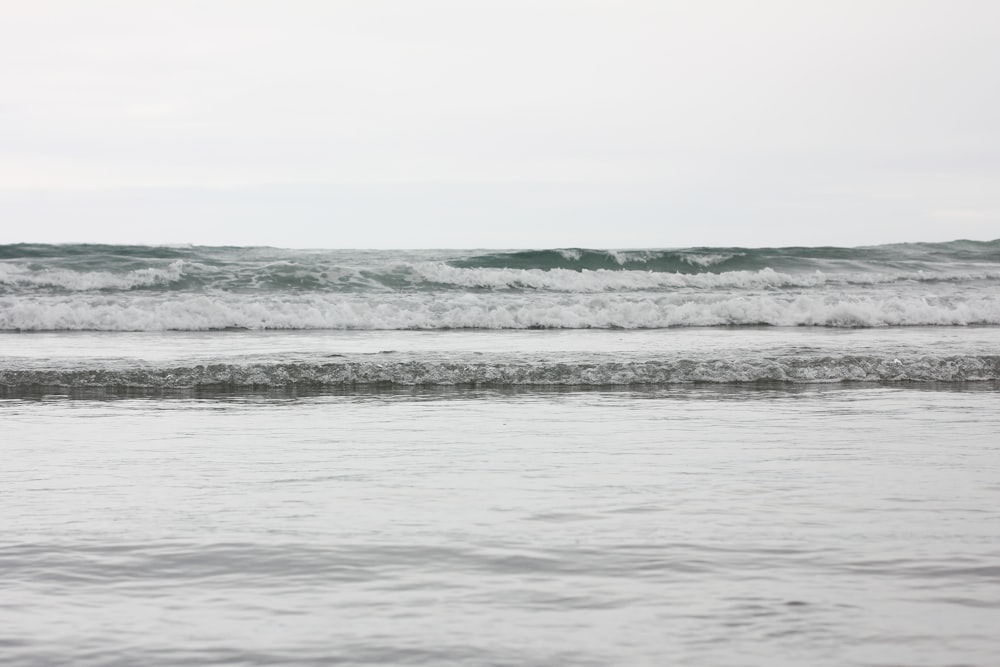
696,260
793,370
683,261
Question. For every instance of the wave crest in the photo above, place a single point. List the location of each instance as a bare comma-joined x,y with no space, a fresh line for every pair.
606,280
19,275
144,312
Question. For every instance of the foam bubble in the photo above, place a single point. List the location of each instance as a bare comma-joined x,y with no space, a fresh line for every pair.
604,280
570,254
488,310
710,259
805,370
80,281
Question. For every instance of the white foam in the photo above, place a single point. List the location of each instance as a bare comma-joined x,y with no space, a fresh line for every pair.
639,256
274,273
708,259
871,368
145,312
80,281
570,254
603,280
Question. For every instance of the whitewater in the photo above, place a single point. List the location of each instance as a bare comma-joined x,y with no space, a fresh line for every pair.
107,288
302,313
175,318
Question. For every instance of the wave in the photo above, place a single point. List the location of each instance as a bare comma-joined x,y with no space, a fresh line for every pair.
187,276
180,275
40,269
579,259
68,279
605,280
697,260
41,251
134,312
415,373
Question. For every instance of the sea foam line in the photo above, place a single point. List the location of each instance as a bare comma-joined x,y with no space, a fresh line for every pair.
144,312
415,373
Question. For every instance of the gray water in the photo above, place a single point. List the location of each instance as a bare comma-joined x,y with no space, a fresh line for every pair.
846,524
702,456
194,288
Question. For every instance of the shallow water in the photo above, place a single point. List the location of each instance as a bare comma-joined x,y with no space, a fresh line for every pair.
310,360
254,456
707,525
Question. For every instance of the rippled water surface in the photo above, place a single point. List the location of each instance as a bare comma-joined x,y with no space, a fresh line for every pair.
698,525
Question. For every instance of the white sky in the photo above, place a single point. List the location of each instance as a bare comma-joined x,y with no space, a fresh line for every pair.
539,123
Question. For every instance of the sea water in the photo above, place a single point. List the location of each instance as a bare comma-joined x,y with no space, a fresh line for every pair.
704,456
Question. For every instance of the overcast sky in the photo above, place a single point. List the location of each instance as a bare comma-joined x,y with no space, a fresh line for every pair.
423,123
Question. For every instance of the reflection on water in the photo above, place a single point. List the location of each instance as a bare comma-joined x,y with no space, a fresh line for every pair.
698,525
753,391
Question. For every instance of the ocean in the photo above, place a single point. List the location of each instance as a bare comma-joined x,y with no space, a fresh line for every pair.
700,456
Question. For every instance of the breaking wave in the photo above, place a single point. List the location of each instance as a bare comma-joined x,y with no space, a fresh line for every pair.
41,269
694,260
193,312
180,276
68,279
605,280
